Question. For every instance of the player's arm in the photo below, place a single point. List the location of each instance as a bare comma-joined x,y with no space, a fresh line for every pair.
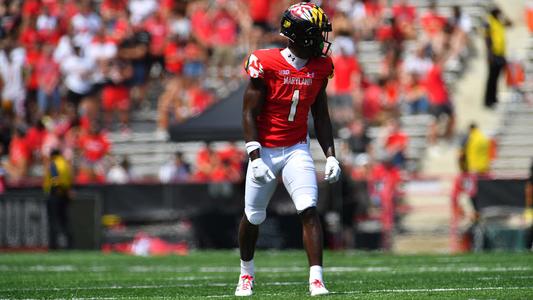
254,98
253,101
322,122
324,133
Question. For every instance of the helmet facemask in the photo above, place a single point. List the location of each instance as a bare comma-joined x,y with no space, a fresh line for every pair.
316,40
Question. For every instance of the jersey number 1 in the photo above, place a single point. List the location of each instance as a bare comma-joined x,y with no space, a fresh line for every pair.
295,99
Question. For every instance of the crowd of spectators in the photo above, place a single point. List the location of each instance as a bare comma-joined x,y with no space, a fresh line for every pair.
225,164
409,81
67,67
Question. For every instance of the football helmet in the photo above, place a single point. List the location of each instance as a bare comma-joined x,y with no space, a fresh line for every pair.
307,26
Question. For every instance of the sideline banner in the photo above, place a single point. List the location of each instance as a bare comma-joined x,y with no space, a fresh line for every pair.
501,192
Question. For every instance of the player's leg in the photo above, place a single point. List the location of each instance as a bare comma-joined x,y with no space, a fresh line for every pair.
312,235
256,198
248,234
299,177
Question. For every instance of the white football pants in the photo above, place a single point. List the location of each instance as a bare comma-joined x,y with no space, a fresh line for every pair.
298,173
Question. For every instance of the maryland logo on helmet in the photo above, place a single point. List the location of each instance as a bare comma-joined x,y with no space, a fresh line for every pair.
309,12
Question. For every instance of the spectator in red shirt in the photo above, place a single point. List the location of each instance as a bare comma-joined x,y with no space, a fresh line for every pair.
206,161
373,99
30,8
432,22
94,147
35,139
29,36
415,95
346,82
111,9
405,15
439,100
372,15
384,178
19,156
434,25
120,28
116,93
259,12
198,98
48,75
223,39
391,103
395,144
390,34
200,22
223,171
174,56
234,156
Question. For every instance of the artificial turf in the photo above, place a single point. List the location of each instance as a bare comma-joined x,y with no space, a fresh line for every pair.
279,275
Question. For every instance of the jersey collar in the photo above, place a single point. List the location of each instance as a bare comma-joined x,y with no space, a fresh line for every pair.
293,60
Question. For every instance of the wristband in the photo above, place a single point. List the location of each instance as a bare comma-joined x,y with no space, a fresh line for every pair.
252,146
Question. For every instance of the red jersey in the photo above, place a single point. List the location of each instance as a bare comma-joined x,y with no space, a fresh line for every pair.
18,151
347,66
289,96
436,86
396,141
94,147
433,23
404,13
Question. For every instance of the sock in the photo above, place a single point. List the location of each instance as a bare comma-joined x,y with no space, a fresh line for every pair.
247,267
315,272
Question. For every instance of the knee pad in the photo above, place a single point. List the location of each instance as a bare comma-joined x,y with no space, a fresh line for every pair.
256,217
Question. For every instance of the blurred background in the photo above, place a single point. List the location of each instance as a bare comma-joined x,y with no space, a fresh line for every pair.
120,125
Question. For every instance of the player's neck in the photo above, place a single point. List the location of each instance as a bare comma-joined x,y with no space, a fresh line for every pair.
291,58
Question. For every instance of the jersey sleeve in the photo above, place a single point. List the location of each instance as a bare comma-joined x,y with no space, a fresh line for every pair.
253,67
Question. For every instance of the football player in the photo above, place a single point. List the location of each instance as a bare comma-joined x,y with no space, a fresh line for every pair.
284,85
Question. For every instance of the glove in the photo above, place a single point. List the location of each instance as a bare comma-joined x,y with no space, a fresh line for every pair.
261,172
333,171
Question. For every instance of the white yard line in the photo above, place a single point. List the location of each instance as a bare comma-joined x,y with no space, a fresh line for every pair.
506,277
118,287
267,284
433,290
436,290
293,269
416,269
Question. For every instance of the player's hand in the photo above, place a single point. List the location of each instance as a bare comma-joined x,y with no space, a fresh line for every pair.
261,172
333,170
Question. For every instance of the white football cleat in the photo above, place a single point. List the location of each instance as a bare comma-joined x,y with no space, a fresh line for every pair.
245,286
317,288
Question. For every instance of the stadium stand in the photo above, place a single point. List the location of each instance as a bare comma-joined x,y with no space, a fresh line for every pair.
514,140
164,99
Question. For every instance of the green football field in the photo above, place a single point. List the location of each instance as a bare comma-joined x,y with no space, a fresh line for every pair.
279,275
